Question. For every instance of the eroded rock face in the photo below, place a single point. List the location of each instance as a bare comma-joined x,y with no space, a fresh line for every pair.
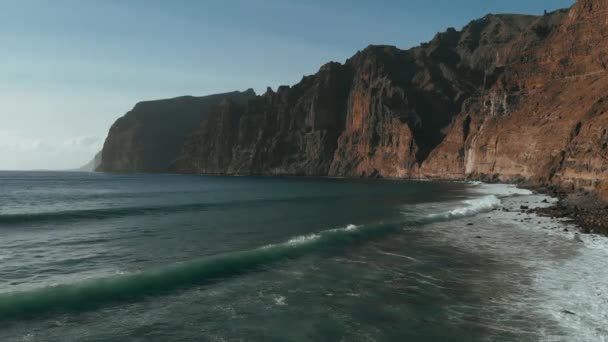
380,114
151,135
550,126
510,97
291,131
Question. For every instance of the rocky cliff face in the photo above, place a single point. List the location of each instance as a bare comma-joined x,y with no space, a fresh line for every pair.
291,131
380,114
92,165
509,97
151,135
544,118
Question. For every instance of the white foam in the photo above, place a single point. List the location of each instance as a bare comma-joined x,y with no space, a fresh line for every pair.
304,239
500,190
576,294
576,285
491,197
564,280
348,228
351,227
470,207
298,240
279,300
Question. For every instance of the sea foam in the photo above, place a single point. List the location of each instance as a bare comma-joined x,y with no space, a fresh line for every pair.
469,208
500,190
491,198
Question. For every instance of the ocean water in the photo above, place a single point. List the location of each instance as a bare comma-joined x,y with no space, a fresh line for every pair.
100,257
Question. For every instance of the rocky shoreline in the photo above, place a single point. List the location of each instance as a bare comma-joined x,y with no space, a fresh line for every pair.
583,209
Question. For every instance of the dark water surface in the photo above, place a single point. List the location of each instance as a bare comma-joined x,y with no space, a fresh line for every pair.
99,257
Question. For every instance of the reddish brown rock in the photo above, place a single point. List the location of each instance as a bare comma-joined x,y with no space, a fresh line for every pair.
509,98
379,115
544,120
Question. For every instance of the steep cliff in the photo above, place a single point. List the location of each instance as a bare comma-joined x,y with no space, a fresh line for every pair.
92,165
509,97
291,131
545,119
380,114
151,135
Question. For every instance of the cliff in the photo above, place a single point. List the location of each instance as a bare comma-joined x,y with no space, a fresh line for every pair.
292,131
92,165
544,119
379,114
150,136
509,98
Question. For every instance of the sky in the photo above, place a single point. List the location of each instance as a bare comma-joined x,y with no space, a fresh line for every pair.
70,68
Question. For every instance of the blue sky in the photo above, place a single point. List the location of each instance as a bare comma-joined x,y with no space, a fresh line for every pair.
70,68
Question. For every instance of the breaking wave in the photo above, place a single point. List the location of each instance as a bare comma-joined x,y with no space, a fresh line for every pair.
470,208
491,199
129,287
134,286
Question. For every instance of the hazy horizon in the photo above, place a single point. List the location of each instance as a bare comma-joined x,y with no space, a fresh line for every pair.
73,67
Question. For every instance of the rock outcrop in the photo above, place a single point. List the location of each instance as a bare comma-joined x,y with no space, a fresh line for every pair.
509,98
291,131
151,135
92,165
544,119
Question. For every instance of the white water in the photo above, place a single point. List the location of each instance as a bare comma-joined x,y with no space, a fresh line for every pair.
469,208
348,228
558,278
298,240
566,277
304,239
500,190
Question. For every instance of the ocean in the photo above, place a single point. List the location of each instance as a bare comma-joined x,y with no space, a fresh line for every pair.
134,257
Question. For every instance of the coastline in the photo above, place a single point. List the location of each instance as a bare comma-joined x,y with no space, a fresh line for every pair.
585,210
487,266
588,213
559,275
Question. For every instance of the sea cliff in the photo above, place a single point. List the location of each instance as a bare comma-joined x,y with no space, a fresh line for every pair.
511,98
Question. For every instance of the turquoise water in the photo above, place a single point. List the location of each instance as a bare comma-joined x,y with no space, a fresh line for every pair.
99,257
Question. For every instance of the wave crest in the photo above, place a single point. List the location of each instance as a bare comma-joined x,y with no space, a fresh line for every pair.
470,208
129,287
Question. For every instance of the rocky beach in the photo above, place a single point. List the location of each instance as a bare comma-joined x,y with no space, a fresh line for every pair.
588,212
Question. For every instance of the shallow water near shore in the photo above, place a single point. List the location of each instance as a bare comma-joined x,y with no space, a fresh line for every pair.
97,257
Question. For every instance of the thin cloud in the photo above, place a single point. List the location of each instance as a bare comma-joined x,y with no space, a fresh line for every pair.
87,142
12,141
21,152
